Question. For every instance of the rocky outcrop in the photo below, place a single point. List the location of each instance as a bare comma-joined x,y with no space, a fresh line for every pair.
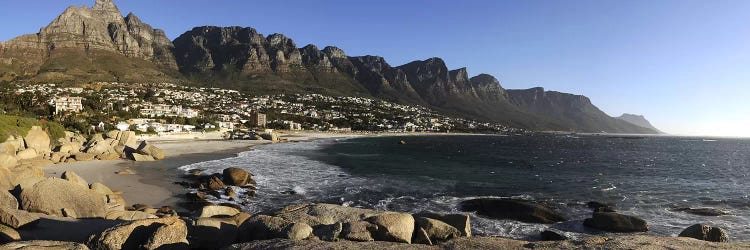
213,211
614,222
524,211
393,227
8,234
706,233
164,233
51,196
237,177
263,227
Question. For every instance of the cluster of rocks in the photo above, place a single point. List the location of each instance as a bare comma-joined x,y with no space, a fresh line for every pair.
225,185
604,218
36,149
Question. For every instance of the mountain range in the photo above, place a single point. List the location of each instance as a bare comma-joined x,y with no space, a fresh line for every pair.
88,44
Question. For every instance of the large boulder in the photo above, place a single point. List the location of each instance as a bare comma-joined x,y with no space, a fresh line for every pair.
17,218
614,222
52,195
74,178
27,154
8,160
213,211
11,177
705,232
325,214
128,215
437,230
7,200
264,227
237,177
101,147
37,139
128,139
43,245
164,233
462,222
507,209
393,227
151,150
114,134
270,136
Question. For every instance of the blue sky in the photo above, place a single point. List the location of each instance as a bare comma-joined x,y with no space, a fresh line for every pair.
683,64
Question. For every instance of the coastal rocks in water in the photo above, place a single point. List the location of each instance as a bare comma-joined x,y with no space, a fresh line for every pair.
614,222
358,231
7,200
706,233
600,207
549,235
51,196
523,211
164,233
702,211
237,177
74,178
17,218
8,234
213,211
214,183
461,222
436,230
393,227
264,227
45,245
147,149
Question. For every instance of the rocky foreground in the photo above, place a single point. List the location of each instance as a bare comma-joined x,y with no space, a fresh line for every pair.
70,213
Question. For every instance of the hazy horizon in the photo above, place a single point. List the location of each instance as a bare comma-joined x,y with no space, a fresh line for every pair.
681,64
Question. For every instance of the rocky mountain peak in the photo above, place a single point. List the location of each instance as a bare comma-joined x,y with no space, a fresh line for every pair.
334,52
484,80
106,5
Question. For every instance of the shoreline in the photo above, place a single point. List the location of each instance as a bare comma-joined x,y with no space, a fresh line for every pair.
153,183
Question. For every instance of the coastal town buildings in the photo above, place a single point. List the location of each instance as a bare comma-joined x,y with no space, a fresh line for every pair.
67,104
161,107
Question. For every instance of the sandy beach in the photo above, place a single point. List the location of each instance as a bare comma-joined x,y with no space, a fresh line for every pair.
153,183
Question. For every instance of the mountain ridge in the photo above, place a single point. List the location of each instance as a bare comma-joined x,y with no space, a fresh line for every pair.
100,44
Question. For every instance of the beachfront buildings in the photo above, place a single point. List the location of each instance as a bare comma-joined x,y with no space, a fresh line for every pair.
258,120
67,104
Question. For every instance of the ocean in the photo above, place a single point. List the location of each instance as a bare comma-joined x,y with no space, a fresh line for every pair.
647,177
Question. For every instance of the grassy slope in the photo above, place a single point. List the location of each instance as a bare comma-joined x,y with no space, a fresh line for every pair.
18,127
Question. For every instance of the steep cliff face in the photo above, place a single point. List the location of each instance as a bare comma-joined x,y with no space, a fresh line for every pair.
570,112
100,30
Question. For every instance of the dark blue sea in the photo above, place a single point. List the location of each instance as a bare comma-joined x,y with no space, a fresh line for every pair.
649,177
